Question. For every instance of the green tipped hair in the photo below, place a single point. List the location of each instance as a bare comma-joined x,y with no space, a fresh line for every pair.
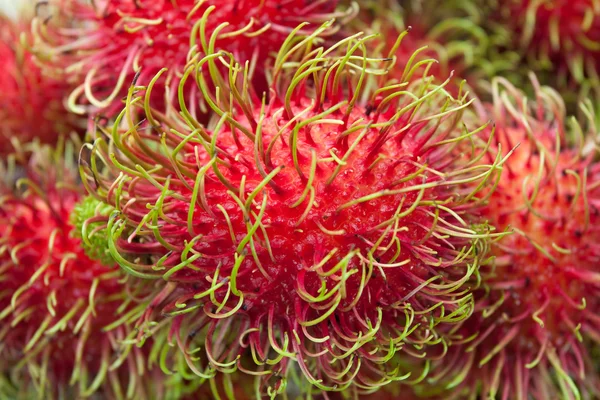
87,217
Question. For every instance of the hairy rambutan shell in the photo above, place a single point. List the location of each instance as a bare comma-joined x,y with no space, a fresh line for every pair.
108,42
31,103
325,228
63,315
539,309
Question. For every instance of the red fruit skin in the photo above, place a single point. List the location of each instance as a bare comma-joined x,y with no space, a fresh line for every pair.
114,39
54,300
31,104
284,247
307,241
538,311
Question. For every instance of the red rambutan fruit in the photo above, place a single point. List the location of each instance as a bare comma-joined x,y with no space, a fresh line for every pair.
325,228
62,314
562,33
112,40
540,299
31,103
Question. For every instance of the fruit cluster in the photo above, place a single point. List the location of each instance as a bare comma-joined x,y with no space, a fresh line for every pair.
326,199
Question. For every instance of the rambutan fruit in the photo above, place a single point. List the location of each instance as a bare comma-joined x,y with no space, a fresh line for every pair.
112,40
539,304
31,103
560,32
62,314
325,229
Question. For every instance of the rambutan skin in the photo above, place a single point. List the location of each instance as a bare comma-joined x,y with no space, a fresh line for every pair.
31,104
109,41
324,228
62,313
538,311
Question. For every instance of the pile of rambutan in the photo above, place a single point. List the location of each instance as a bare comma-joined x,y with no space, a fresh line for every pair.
260,199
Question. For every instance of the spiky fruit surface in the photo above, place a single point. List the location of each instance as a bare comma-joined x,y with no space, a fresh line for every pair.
541,301
31,104
114,39
54,300
325,228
